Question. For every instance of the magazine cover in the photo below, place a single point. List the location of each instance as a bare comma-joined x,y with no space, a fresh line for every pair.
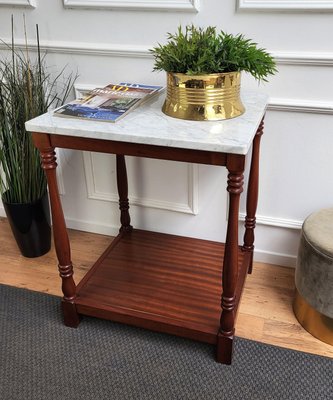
109,103
139,85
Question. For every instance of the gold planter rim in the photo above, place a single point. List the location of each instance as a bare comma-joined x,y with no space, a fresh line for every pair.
205,97
204,76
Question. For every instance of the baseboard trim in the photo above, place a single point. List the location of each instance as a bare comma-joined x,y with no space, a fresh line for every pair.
93,227
286,260
269,257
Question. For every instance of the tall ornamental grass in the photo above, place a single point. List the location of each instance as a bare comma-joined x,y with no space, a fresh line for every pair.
27,90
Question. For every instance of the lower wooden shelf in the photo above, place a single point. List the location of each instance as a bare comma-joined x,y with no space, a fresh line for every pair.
161,282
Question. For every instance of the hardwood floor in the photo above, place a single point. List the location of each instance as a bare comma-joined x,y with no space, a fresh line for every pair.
265,313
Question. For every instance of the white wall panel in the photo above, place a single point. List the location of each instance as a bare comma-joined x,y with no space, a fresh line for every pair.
112,45
163,185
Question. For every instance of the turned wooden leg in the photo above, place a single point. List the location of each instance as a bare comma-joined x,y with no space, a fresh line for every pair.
125,218
252,196
235,165
61,241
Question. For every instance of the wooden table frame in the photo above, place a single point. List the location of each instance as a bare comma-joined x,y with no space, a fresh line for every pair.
237,260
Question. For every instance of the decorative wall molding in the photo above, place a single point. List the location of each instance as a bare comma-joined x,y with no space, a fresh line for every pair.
300,58
302,106
311,59
21,3
275,222
79,48
278,5
140,5
191,207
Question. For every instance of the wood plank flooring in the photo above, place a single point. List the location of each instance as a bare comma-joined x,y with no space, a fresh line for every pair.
265,313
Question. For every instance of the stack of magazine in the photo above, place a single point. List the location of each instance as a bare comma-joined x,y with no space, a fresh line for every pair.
109,103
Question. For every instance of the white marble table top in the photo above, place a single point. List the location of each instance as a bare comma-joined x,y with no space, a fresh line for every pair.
148,125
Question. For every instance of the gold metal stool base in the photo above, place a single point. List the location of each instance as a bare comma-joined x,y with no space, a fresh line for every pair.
319,325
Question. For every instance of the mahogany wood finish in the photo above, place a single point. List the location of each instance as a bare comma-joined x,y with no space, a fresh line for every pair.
61,241
235,165
252,196
139,150
269,291
122,185
177,289
161,282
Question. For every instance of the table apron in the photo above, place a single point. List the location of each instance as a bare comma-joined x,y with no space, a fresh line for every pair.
140,150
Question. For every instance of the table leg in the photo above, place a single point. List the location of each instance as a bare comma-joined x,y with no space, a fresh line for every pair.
235,165
252,196
61,241
122,184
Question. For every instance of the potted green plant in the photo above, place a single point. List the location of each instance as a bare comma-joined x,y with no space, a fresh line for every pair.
26,91
204,70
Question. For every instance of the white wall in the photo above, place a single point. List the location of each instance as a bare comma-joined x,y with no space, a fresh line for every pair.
110,44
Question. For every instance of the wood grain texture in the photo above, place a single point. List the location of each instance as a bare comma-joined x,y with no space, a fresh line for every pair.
265,313
161,282
98,305
62,245
139,150
252,195
235,165
122,185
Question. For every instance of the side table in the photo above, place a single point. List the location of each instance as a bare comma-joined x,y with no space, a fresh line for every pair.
178,285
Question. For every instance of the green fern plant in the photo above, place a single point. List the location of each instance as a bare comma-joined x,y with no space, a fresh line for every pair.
197,51
27,90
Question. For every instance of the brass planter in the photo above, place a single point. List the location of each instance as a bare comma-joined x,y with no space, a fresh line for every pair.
203,97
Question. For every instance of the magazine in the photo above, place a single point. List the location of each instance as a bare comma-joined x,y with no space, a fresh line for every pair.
109,103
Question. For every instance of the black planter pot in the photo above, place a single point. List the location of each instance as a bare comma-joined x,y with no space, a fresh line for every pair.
31,226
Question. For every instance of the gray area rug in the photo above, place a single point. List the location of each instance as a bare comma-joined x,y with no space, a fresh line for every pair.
42,359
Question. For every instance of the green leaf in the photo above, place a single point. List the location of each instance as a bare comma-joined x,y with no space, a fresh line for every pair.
197,50
26,91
